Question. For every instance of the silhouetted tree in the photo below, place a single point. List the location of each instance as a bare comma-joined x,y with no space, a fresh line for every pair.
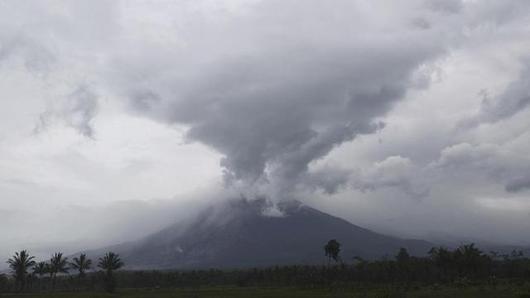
453,266
404,263
81,264
58,264
332,250
19,264
470,261
110,262
402,256
40,269
444,260
4,283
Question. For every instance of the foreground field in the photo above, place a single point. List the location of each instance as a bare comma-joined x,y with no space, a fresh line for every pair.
231,292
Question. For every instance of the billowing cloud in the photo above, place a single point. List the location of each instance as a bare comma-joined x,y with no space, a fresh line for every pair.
515,98
297,88
394,172
365,109
496,163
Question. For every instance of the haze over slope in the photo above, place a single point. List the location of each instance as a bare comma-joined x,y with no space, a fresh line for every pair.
238,234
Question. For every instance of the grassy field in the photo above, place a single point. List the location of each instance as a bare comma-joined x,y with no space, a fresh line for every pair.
231,292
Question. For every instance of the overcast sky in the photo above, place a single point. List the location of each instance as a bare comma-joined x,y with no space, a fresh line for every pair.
407,117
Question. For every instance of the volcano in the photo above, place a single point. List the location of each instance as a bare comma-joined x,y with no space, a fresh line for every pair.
243,234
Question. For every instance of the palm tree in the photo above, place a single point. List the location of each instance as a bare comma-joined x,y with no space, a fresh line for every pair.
19,264
81,264
49,270
403,256
58,264
40,269
109,263
332,250
444,259
471,260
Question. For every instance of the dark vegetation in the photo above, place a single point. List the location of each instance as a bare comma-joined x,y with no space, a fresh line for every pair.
463,267
30,276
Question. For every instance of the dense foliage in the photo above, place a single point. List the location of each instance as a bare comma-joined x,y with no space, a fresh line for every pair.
465,265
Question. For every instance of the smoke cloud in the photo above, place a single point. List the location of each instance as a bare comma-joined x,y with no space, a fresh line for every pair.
292,90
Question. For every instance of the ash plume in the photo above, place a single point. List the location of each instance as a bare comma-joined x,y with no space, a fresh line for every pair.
273,107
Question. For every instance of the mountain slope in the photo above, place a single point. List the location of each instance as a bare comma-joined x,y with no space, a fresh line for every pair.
239,235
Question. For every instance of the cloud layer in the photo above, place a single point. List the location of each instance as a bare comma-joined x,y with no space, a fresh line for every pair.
293,88
410,118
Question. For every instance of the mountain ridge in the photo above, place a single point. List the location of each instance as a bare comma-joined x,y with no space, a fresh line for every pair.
239,235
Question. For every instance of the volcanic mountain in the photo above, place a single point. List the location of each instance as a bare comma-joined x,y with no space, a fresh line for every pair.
243,234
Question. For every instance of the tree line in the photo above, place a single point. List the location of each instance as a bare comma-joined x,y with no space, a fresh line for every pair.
26,272
464,265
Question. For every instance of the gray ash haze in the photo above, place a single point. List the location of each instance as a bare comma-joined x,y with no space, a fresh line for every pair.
411,118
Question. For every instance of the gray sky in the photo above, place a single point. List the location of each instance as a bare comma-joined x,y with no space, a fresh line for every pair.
119,117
